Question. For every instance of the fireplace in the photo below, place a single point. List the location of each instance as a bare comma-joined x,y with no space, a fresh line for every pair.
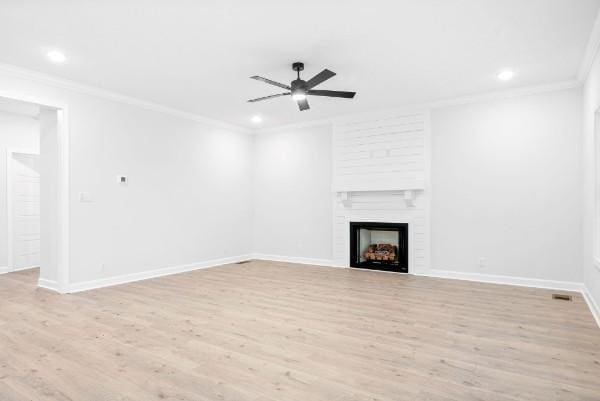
379,246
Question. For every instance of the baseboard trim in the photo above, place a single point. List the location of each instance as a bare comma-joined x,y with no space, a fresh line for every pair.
446,274
597,263
453,275
594,308
24,268
48,285
7,269
295,259
507,280
165,271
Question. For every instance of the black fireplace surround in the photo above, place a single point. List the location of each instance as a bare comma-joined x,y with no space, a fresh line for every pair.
379,246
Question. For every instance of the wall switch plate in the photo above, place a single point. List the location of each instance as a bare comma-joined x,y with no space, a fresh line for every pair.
85,197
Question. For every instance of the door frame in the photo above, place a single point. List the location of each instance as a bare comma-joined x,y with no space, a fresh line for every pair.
9,202
596,188
63,181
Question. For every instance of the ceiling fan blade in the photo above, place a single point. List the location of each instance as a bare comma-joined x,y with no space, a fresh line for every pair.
270,82
268,97
303,104
320,77
316,92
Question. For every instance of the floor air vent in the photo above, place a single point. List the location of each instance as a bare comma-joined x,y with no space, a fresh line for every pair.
562,297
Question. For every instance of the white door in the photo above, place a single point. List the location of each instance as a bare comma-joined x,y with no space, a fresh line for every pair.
24,213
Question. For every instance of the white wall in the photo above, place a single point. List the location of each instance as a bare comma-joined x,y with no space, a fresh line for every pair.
190,185
188,199
16,132
505,184
505,171
591,104
293,213
506,187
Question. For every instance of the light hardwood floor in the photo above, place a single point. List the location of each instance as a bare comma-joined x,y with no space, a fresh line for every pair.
266,331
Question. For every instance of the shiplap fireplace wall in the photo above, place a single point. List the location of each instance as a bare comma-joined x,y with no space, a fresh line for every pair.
381,169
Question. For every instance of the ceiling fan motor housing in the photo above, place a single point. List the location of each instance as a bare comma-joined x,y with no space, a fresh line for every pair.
299,87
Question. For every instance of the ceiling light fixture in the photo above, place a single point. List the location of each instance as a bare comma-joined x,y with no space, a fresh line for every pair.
298,96
55,56
256,119
301,89
505,75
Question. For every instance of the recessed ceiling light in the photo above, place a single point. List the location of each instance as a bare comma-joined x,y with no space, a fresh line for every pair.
55,56
256,119
505,75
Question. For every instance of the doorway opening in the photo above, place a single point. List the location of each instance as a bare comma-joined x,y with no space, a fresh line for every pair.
32,191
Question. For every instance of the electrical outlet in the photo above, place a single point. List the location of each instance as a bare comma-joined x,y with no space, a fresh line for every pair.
481,262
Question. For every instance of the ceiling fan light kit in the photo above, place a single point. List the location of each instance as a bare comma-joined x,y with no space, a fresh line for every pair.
300,89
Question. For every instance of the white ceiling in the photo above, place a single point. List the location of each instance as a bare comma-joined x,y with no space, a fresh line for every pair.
196,56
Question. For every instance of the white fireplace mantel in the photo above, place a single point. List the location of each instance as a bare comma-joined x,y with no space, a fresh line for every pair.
410,190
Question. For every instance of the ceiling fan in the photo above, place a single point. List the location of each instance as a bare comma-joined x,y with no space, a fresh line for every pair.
299,88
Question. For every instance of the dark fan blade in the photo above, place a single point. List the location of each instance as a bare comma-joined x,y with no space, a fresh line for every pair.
269,97
303,104
268,81
320,77
317,92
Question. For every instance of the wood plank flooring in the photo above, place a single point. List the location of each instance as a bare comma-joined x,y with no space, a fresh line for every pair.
266,331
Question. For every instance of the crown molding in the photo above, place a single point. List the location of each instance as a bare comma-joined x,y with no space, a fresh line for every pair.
435,104
62,83
292,126
591,50
503,94
23,73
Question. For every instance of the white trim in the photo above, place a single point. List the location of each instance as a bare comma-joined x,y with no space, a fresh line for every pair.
64,202
24,268
596,186
63,135
398,185
296,259
49,285
451,275
504,94
427,192
35,76
594,308
164,271
293,126
591,50
7,269
9,210
508,280
435,104
445,274
9,201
